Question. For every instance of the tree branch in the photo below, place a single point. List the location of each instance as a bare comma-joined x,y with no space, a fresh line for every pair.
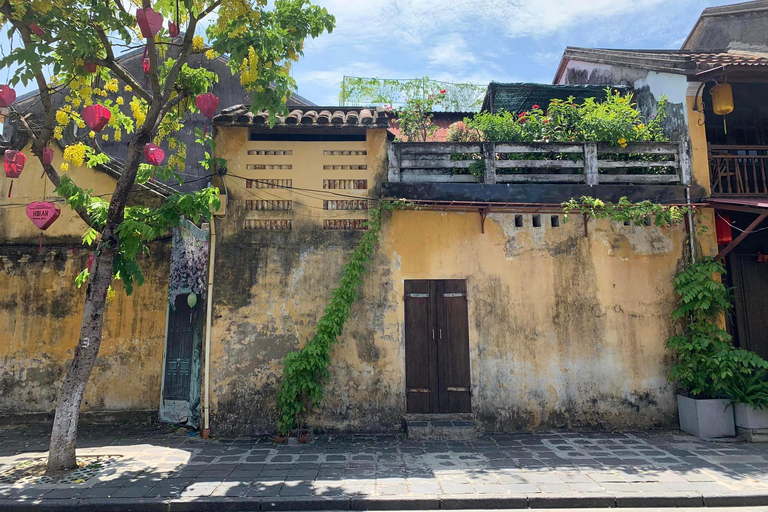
123,74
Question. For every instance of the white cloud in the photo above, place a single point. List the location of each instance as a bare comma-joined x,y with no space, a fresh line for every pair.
450,52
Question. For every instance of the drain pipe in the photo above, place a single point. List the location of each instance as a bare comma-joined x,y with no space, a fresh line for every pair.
692,234
208,322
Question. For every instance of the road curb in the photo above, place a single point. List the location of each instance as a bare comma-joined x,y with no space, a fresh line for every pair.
447,502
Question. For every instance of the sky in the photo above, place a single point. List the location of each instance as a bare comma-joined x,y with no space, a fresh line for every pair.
480,40
476,40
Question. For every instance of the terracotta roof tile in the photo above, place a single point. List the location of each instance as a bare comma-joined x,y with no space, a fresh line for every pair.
240,115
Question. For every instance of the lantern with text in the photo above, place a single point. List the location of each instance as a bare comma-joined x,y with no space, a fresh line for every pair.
7,96
723,229
13,161
96,117
42,215
207,103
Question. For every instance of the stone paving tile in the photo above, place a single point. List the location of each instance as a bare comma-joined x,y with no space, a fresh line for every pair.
158,463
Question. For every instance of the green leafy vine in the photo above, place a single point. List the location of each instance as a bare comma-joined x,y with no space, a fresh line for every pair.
626,211
305,369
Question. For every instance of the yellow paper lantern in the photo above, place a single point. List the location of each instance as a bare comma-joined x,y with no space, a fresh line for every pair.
722,99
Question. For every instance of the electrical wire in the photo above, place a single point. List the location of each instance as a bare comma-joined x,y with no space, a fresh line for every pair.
736,228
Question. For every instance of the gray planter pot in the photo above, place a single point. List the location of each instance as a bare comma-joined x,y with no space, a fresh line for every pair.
749,417
706,418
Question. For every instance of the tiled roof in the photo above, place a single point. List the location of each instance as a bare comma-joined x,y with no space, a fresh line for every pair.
666,61
328,117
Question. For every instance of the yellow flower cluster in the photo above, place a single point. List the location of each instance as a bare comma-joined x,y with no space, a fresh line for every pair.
249,68
197,44
58,132
622,142
210,55
64,167
62,118
118,135
111,85
75,153
138,110
119,100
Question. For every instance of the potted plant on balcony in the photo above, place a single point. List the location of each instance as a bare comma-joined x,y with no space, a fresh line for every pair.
707,361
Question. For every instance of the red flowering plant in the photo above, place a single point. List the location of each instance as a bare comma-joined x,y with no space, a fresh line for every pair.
414,119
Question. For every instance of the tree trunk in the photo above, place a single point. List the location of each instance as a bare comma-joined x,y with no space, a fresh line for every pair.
61,455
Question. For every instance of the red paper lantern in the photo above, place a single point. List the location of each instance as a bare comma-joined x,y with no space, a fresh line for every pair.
96,117
173,29
34,27
90,67
723,229
150,22
14,163
153,154
90,261
7,96
207,103
47,156
43,214
145,65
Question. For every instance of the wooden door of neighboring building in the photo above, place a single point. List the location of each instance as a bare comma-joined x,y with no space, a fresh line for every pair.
437,377
750,282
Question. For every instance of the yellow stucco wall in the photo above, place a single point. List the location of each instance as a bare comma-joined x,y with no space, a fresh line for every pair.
41,308
564,330
706,238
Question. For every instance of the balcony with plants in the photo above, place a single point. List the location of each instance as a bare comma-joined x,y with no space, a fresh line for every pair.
547,153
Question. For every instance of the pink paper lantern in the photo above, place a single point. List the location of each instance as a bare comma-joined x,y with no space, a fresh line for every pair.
43,214
207,103
173,29
153,154
7,96
96,117
150,22
14,163
47,156
145,65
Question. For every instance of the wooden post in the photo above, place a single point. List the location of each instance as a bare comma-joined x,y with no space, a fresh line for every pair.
393,155
489,154
590,164
684,160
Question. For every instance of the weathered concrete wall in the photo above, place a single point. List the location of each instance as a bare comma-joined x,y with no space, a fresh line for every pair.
565,331
41,308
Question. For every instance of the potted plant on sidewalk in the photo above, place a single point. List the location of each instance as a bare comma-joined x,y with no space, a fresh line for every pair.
749,393
708,363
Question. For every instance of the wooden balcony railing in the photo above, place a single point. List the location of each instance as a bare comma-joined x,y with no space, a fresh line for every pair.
738,170
589,163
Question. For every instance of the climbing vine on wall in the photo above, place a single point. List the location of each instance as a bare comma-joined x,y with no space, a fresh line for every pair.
627,211
305,369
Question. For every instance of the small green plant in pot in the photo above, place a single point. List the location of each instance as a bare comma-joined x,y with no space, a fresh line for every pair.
711,370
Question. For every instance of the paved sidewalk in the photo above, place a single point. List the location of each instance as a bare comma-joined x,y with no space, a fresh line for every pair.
153,468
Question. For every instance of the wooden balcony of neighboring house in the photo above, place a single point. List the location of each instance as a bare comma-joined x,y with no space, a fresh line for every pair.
537,173
738,170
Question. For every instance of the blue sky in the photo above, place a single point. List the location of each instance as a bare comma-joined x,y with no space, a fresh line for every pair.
480,40
477,40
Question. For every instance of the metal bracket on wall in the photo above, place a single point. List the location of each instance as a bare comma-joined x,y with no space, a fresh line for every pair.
483,214
586,225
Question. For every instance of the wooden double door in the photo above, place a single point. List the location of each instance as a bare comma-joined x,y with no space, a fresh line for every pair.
437,377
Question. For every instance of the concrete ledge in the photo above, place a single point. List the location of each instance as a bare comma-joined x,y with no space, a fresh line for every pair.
483,502
571,501
309,503
237,504
396,503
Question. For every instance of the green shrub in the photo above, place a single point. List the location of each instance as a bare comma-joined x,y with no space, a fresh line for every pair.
708,365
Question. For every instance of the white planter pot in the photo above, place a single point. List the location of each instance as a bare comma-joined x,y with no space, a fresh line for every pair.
706,418
749,417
